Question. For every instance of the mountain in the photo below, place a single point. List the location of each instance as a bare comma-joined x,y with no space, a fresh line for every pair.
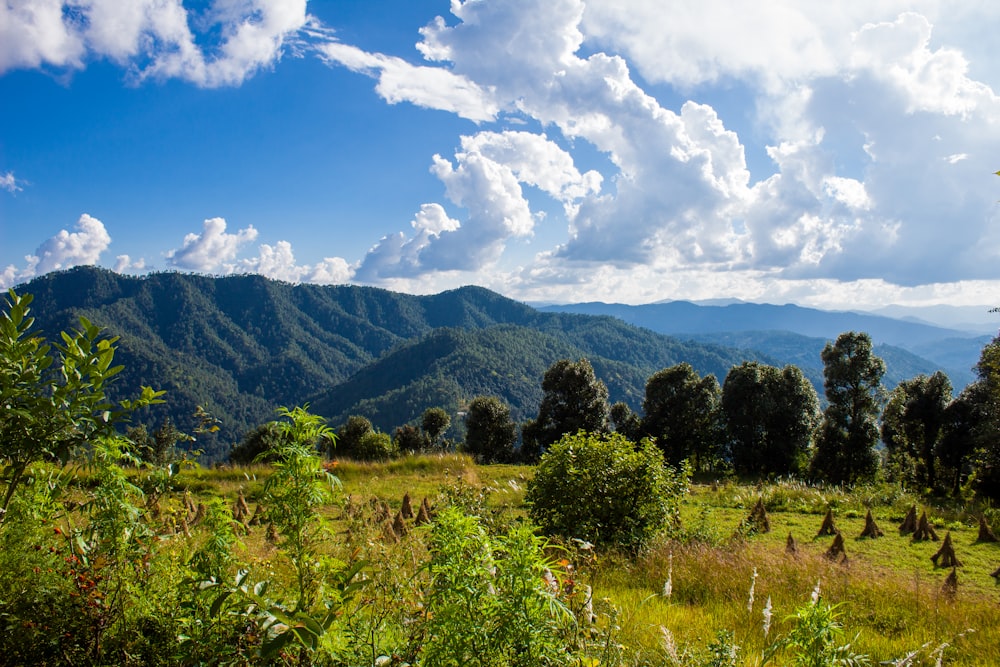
683,317
240,346
913,346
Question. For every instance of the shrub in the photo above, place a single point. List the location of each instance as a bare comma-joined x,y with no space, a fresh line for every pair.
375,446
605,489
492,600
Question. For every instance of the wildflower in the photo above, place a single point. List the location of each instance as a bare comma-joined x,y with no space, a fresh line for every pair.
668,585
669,645
753,583
767,616
550,581
815,593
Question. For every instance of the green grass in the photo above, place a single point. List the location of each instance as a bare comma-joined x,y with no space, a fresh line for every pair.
889,592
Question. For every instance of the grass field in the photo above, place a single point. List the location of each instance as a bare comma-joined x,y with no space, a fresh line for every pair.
891,597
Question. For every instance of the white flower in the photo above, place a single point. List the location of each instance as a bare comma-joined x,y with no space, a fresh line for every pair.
815,593
753,583
767,616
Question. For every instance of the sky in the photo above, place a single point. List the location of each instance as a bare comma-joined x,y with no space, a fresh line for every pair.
835,154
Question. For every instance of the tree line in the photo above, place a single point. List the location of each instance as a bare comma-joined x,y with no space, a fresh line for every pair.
762,421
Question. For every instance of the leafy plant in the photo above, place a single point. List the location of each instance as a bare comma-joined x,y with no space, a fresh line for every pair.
493,602
294,492
53,400
606,490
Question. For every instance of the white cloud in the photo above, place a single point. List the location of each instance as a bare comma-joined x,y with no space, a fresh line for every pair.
68,249
125,264
211,250
485,180
429,87
62,251
152,37
9,183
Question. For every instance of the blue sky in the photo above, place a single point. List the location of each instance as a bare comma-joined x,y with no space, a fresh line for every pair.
829,154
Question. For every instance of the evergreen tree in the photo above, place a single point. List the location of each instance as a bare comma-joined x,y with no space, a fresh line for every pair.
770,417
681,412
912,425
490,433
845,447
573,400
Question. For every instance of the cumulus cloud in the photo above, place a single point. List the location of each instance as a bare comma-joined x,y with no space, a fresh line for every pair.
62,251
278,262
220,45
211,250
485,179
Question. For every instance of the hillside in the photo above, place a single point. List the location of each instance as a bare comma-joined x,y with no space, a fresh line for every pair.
240,346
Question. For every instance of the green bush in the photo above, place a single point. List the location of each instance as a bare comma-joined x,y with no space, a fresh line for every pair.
375,446
605,489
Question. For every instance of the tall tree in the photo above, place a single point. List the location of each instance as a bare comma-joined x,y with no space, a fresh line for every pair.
852,380
434,422
984,409
573,400
681,412
770,417
490,432
912,425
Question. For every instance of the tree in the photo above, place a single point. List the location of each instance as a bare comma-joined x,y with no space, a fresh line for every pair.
408,438
983,406
490,433
770,417
681,412
852,380
573,400
349,435
966,421
259,445
626,421
912,424
605,489
435,422
54,398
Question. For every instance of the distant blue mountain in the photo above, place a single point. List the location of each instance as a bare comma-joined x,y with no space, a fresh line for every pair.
931,347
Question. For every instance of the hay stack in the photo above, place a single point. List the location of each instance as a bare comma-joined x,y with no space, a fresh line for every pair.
758,520
836,551
909,524
828,528
240,509
399,525
791,548
950,587
924,531
985,532
871,528
407,508
388,534
423,514
945,557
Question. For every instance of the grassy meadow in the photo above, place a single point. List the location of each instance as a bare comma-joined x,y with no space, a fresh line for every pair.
890,598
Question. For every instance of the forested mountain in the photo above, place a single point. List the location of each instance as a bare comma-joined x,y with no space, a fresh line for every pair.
240,346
